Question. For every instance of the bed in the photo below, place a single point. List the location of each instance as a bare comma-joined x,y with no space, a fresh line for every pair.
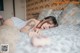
64,39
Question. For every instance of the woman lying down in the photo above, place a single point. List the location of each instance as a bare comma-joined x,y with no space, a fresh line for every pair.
32,28
62,39
39,39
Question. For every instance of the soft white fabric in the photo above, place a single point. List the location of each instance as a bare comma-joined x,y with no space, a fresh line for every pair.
40,41
64,39
56,13
9,35
70,15
23,41
44,13
18,22
49,12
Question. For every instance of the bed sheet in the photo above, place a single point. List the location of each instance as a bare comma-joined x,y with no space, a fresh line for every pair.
64,39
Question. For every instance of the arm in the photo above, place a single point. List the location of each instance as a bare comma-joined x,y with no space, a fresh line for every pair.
30,25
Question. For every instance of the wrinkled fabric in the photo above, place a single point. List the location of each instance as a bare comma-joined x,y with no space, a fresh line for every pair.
18,22
70,15
64,39
49,12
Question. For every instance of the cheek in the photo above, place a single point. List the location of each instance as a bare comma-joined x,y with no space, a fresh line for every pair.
46,25
51,25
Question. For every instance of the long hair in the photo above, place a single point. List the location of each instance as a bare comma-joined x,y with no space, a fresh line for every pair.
53,19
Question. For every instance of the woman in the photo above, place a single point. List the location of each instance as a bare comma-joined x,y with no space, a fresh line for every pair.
38,39
31,27
47,22
34,25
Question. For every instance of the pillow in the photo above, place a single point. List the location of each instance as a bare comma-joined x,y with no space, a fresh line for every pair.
56,13
70,15
15,22
49,12
18,22
44,13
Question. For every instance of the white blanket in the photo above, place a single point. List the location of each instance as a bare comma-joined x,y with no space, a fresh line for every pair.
65,39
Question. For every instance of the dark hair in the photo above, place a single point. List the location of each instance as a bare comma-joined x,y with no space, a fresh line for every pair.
53,20
49,17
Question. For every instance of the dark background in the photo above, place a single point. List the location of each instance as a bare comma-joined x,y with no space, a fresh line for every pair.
1,5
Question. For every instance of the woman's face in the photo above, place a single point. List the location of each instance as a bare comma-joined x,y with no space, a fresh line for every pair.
47,24
49,21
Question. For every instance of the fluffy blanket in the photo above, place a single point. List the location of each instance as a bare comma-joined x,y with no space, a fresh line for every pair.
9,35
64,39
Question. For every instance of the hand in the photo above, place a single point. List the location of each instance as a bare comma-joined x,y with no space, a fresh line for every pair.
33,34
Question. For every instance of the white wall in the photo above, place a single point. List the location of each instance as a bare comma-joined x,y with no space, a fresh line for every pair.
8,9
19,8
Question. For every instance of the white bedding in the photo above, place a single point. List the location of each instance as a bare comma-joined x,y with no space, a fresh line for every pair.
65,39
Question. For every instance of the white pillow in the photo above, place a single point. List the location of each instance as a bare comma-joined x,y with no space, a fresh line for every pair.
56,13
44,13
19,23
49,12
70,15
